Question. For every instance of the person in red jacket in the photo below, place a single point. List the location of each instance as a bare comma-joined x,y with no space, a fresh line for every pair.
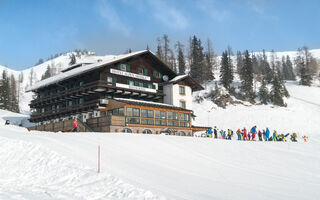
75,126
245,135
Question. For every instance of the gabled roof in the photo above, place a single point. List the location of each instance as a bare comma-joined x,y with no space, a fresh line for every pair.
149,103
191,82
89,67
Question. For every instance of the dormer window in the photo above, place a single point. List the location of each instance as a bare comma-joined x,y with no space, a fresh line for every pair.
124,67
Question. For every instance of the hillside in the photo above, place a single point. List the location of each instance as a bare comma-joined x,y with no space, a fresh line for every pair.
44,165
62,62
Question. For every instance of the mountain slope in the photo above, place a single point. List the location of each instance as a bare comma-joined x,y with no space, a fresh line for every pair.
62,62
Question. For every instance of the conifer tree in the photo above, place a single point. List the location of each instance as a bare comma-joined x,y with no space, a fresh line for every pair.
291,75
197,60
263,92
13,95
172,61
247,77
277,90
73,60
181,58
159,52
266,70
239,62
47,73
306,66
166,48
209,62
4,91
226,70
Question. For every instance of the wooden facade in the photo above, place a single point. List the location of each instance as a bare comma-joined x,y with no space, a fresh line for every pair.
139,77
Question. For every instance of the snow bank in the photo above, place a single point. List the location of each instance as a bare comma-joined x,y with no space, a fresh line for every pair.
30,171
15,118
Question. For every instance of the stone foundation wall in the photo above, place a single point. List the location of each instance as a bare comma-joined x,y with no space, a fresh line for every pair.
182,132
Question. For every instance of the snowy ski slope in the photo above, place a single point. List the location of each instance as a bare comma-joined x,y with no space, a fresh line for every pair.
44,165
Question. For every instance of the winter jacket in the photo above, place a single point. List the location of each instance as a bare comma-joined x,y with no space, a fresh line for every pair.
267,133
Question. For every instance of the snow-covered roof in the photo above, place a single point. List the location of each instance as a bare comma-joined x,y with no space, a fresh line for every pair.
177,78
150,103
192,83
82,69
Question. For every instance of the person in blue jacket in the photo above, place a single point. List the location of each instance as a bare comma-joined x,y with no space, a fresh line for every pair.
267,133
209,132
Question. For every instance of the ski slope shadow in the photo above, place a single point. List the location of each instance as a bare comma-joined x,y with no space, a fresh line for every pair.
306,101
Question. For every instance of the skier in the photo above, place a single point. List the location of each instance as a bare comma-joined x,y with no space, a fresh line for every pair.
275,136
305,138
239,134
260,135
267,134
215,131
245,136
293,137
7,122
75,126
221,133
229,134
254,132
209,132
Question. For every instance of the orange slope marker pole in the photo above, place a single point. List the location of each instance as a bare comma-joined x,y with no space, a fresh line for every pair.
99,159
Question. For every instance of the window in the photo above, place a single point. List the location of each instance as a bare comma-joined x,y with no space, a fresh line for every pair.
117,112
140,70
146,113
147,121
126,130
81,100
124,67
161,122
184,117
184,124
147,131
157,74
145,72
173,123
160,114
172,116
182,104
109,79
133,112
130,82
132,120
182,90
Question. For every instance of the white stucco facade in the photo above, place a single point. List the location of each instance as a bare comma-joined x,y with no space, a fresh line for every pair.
173,96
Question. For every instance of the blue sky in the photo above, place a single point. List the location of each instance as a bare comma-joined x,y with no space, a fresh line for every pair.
35,29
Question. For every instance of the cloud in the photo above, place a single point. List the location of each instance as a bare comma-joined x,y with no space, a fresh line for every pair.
168,15
161,11
209,8
259,7
109,13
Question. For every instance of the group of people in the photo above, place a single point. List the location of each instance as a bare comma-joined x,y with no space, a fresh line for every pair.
253,134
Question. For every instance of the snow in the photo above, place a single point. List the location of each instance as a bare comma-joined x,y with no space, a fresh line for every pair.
302,115
80,70
178,78
44,165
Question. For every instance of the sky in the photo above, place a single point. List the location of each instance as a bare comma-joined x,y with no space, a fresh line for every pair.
34,29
